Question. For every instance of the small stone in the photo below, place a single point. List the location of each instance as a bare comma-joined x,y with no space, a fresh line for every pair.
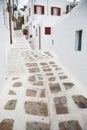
31,64
37,126
17,84
7,124
11,92
52,79
42,94
57,68
52,62
49,74
70,125
32,79
54,87
63,77
43,63
10,105
46,70
68,85
61,105
15,78
54,65
39,83
31,93
80,101
36,108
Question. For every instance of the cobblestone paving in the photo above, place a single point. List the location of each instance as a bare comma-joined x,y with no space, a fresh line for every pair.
39,95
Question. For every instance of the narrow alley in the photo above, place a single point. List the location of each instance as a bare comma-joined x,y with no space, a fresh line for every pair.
39,95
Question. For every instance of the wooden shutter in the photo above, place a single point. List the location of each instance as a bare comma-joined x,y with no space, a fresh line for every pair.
51,10
42,9
59,11
47,30
35,9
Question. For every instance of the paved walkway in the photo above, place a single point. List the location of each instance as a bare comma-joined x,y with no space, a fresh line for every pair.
38,94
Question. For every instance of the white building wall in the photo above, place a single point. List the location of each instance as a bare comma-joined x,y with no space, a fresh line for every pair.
4,43
46,20
26,14
51,3
30,5
64,38
47,41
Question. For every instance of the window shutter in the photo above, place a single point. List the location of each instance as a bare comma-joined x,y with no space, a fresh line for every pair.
59,11
42,9
35,9
51,10
47,30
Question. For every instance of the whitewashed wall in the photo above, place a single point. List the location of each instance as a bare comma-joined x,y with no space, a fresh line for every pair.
64,36
46,20
4,44
51,3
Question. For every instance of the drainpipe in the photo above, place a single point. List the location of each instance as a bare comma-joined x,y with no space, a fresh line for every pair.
13,14
10,22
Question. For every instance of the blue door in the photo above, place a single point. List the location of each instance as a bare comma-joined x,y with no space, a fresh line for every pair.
80,41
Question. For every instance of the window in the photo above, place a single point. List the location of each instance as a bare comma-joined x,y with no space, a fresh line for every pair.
79,40
38,9
47,30
55,11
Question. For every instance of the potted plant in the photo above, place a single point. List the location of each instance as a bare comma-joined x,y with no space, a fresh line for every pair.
25,31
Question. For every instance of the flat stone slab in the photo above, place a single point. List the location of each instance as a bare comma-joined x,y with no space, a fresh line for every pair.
36,108
54,87
31,93
63,77
52,62
15,78
11,92
80,101
32,79
17,84
68,85
55,66
42,94
39,83
61,105
70,125
37,126
49,74
10,105
52,79
46,70
31,64
7,124
43,64
34,70
36,79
